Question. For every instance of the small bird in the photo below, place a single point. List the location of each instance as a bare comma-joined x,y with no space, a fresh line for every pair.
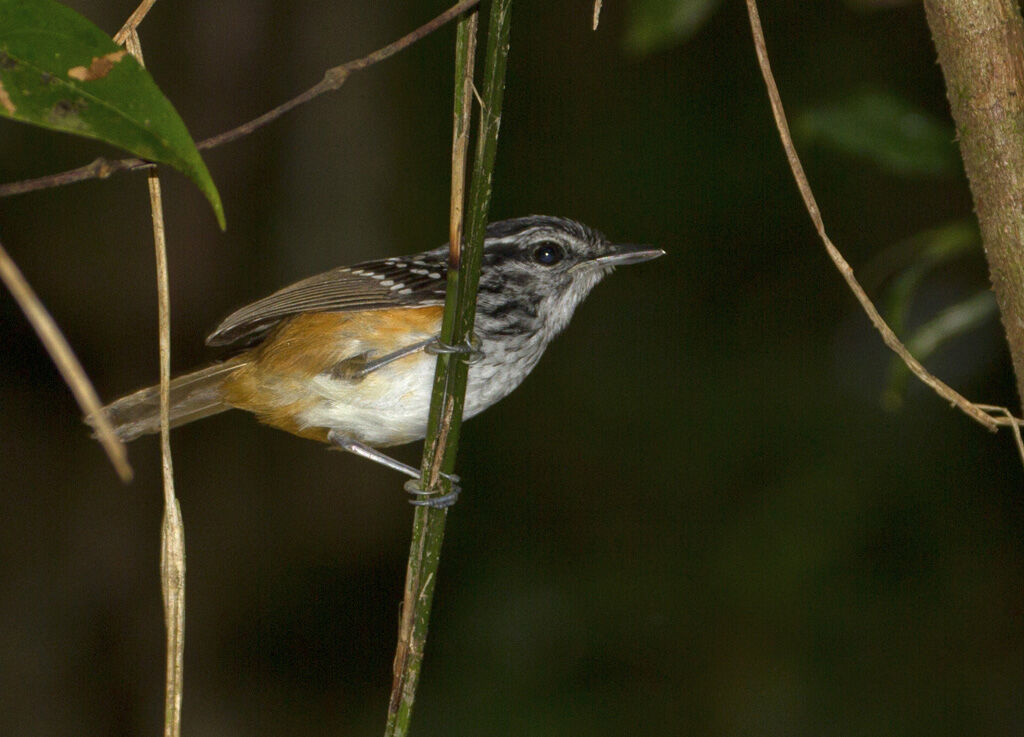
347,357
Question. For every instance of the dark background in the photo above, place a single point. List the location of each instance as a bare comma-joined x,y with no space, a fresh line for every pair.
695,517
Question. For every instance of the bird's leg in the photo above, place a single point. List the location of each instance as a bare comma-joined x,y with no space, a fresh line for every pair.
344,442
357,367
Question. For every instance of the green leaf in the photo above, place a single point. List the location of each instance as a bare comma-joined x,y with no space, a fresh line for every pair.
658,24
896,135
59,71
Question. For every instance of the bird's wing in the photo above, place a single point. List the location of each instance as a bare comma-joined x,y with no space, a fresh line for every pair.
413,281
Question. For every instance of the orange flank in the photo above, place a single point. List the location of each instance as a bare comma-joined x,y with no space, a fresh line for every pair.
275,381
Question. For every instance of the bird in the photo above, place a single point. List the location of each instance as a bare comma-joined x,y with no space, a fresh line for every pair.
347,357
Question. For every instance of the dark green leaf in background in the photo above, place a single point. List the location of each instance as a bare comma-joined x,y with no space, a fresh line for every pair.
908,263
953,322
658,24
59,71
879,126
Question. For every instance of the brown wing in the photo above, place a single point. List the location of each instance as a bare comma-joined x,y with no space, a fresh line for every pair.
413,281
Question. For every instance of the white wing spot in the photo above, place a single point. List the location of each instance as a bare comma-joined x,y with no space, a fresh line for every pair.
405,291
387,282
375,276
399,285
434,275
420,272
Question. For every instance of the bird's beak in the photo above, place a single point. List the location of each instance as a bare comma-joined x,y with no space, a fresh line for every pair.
623,254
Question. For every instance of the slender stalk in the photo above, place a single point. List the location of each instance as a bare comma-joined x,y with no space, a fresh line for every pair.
172,530
134,20
980,44
65,360
428,525
445,420
465,57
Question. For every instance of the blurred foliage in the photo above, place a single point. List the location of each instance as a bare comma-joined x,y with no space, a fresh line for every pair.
658,24
907,265
885,129
952,322
59,71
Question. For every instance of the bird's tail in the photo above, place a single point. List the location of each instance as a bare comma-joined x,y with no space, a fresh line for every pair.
193,397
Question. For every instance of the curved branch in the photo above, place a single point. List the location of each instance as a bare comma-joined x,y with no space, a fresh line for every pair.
333,79
976,413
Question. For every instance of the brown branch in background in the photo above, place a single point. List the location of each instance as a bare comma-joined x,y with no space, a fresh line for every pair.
172,531
979,413
980,44
597,13
64,358
333,79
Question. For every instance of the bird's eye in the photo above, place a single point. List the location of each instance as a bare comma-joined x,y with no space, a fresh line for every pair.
547,254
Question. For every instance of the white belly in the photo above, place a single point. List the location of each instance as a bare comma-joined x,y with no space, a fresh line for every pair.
386,407
390,406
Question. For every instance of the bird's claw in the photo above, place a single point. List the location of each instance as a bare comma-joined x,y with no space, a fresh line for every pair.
430,498
469,349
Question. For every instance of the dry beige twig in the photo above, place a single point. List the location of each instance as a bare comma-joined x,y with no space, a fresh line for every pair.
130,25
65,360
172,532
460,147
977,412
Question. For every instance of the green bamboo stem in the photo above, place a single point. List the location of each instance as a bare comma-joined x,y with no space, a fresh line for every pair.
448,398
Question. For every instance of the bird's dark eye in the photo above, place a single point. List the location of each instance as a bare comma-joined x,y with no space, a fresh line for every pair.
547,254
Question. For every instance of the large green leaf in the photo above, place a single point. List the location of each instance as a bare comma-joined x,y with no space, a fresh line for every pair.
885,129
59,71
658,24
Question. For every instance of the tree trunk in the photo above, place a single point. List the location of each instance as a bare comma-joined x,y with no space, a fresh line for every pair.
981,50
